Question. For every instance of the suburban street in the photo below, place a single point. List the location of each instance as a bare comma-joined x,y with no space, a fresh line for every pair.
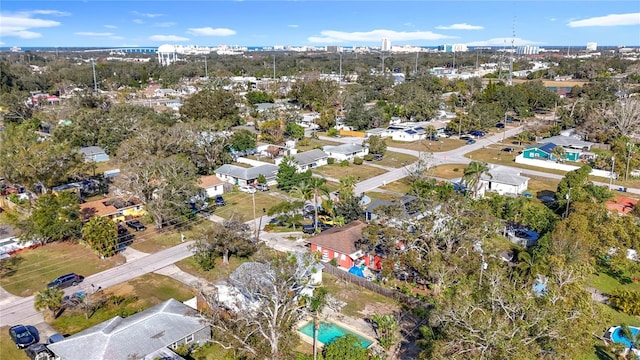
15,309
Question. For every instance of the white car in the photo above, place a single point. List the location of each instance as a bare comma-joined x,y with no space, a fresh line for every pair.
247,189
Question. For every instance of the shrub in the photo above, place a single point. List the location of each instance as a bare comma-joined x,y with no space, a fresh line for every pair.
357,161
333,132
455,169
331,161
344,163
304,142
368,157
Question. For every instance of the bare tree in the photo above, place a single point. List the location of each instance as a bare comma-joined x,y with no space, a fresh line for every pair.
268,299
624,115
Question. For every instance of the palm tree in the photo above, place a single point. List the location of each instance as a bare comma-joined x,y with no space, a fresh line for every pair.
472,175
348,184
316,303
311,189
49,299
634,339
559,153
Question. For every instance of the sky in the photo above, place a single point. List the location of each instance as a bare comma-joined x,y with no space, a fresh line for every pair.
118,23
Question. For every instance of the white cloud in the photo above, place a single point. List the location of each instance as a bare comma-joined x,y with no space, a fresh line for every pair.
332,36
293,25
504,41
164,24
138,21
89,33
21,24
147,15
208,31
608,20
553,19
111,26
463,26
49,12
167,38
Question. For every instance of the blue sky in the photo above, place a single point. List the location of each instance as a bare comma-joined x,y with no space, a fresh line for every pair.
349,23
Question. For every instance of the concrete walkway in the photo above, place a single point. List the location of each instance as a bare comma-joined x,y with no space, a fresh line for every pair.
131,254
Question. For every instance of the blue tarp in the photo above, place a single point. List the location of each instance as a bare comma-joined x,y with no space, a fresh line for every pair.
356,271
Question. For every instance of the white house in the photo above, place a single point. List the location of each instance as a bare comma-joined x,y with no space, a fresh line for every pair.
212,185
311,159
503,181
241,176
345,151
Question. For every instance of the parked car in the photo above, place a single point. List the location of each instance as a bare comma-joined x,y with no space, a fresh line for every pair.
262,187
39,352
310,229
124,236
55,338
500,125
24,335
220,201
432,137
65,281
326,220
471,141
508,149
136,225
509,119
478,133
466,137
378,157
247,189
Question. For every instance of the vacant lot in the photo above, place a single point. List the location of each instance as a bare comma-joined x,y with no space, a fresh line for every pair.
316,144
218,273
360,172
153,240
35,268
395,159
136,295
444,144
360,302
448,171
241,204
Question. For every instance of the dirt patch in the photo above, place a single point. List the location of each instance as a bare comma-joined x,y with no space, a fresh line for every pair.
376,308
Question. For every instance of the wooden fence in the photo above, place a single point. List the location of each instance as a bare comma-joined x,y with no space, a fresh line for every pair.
369,285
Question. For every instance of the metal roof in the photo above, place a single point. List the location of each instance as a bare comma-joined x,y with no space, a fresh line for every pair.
309,157
269,171
345,149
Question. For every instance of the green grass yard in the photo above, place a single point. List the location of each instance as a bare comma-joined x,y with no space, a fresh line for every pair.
360,172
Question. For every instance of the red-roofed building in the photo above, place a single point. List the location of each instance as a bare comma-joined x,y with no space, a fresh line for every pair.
340,243
622,204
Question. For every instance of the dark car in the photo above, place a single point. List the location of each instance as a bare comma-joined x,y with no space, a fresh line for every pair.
136,225
509,119
220,201
23,336
377,157
262,187
500,125
477,133
471,141
124,236
508,149
65,281
39,352
55,338
466,137
310,229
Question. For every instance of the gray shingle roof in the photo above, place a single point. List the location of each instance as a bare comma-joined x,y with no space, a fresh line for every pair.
269,171
567,141
504,177
91,150
345,149
139,334
309,157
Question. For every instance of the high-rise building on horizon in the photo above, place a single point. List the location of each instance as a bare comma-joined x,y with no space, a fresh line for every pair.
592,46
386,44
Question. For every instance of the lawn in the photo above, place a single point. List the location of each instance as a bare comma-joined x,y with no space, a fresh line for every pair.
358,300
444,144
360,172
608,284
538,184
395,159
37,267
8,349
241,204
140,294
401,186
153,240
448,171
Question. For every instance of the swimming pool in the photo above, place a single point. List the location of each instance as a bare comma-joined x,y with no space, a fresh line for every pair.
616,335
329,332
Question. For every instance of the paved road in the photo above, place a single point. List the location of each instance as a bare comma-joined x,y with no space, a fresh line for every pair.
21,310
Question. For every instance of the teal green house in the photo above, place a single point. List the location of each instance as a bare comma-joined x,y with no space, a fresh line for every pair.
544,152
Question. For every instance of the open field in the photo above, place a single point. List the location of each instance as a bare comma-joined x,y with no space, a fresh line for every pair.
401,186
241,204
395,159
375,195
553,83
153,240
219,271
444,144
360,172
140,293
35,268
448,171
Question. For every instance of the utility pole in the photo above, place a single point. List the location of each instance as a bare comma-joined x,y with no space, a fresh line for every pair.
613,165
95,82
416,69
568,198
629,152
206,71
255,225
274,66
340,78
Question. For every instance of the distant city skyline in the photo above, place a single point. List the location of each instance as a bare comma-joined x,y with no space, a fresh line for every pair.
104,23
